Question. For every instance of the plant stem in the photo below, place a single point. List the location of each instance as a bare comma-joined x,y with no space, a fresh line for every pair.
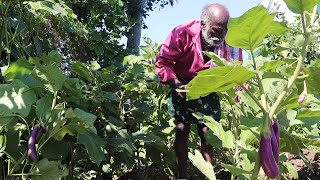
261,89
254,99
292,78
18,163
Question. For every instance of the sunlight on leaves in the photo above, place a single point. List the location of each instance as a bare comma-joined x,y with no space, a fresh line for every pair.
249,30
16,98
298,6
217,80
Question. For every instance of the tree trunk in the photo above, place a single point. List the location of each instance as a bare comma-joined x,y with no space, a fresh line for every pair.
135,12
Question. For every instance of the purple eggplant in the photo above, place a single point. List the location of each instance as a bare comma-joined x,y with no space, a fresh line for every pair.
275,127
267,160
274,145
32,152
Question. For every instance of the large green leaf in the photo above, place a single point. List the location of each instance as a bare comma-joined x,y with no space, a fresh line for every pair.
94,145
49,170
18,69
235,170
205,167
225,136
16,98
43,108
290,143
273,87
13,139
145,137
51,77
249,30
80,122
56,150
298,6
53,58
82,70
217,79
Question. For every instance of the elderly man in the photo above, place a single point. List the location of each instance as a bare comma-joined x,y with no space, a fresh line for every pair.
181,57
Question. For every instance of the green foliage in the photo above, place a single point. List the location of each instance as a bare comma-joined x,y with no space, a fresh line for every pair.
282,67
106,112
249,30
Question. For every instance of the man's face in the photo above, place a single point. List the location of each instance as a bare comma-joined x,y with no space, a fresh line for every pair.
214,34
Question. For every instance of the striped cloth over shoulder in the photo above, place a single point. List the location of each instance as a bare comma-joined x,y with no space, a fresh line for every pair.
229,53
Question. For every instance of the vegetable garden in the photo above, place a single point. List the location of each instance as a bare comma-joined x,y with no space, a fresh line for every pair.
74,104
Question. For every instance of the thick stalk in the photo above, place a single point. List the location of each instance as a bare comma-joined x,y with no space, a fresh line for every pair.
292,78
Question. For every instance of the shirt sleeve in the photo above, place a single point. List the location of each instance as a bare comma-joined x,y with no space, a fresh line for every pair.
170,51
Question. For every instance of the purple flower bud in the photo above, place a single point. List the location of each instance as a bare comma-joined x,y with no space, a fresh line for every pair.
237,99
302,98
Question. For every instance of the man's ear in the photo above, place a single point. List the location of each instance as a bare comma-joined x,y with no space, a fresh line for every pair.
203,25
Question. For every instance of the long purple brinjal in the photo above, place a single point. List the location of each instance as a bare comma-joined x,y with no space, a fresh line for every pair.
274,145
275,127
32,152
267,159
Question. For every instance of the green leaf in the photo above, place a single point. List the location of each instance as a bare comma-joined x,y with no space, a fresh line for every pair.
13,136
103,95
8,121
271,65
217,79
204,166
16,98
273,87
18,69
49,170
56,150
52,58
289,143
216,59
94,145
313,80
145,137
121,144
291,170
235,170
82,70
249,30
51,77
299,6
132,59
225,136
43,108
73,88
80,122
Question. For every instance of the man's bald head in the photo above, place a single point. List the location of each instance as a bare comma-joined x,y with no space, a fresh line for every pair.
214,24
214,13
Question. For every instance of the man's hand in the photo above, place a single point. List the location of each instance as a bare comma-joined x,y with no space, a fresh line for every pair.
176,84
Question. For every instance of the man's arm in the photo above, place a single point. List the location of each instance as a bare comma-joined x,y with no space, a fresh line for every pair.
170,51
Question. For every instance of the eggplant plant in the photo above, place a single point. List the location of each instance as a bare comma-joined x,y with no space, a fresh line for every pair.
263,123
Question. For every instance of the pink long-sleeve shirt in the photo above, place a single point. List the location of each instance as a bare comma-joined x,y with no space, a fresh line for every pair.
181,53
